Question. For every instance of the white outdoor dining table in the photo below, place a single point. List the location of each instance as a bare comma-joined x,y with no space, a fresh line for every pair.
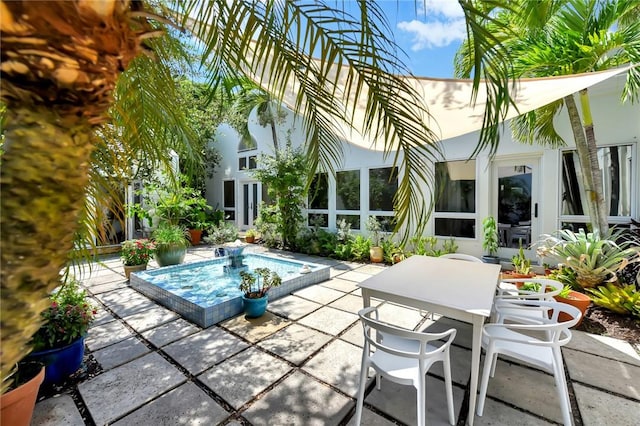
454,288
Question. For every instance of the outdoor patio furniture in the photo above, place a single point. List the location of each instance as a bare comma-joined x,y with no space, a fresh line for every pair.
517,340
509,290
463,292
461,256
404,357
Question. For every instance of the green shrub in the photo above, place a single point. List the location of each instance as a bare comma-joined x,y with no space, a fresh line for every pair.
360,248
622,300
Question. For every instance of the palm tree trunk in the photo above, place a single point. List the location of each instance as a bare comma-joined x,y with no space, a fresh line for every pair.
590,174
44,173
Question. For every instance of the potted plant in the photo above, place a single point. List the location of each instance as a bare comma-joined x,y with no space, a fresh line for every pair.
18,401
59,343
568,295
135,255
490,240
196,216
171,244
521,265
376,253
250,235
255,287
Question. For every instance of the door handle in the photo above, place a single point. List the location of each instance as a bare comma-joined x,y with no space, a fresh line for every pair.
535,210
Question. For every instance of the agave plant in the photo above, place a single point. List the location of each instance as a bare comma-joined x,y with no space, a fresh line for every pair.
595,260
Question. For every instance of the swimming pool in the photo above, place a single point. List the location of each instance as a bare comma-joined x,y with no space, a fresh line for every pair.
207,292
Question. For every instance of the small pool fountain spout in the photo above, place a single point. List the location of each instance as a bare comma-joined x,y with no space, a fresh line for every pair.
234,257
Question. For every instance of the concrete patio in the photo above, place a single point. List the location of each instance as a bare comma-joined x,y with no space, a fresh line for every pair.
299,365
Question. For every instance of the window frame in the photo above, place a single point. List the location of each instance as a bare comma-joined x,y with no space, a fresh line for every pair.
457,215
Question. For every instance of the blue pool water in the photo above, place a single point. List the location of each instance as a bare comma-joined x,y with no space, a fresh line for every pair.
207,292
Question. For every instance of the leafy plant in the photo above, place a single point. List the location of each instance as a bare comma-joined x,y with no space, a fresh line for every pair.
251,233
531,287
490,239
374,227
622,300
251,286
170,236
360,248
566,276
222,233
521,265
137,252
594,259
67,318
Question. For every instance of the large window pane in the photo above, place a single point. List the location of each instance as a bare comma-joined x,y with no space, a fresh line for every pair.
318,219
229,194
348,190
463,228
352,219
615,163
382,188
456,186
319,192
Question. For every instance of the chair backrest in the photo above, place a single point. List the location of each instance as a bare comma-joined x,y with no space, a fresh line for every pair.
548,289
461,256
375,332
557,333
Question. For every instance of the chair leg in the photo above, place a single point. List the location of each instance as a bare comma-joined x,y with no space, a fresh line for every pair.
378,380
561,385
494,362
364,370
449,388
421,400
484,384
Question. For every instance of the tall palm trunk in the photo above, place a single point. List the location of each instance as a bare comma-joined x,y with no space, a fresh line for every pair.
588,156
60,62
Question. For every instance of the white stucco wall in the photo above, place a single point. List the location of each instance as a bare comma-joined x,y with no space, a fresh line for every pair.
614,123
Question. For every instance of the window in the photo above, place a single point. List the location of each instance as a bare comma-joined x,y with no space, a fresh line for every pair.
618,185
352,219
318,200
247,163
455,204
383,184
348,190
229,200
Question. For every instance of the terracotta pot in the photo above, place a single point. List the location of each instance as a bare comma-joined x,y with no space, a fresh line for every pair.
577,299
128,269
511,274
376,254
196,235
249,239
17,405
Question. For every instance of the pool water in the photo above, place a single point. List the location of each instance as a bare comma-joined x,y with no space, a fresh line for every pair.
207,292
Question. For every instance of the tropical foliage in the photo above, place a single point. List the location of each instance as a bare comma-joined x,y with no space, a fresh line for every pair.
257,284
551,38
619,299
63,129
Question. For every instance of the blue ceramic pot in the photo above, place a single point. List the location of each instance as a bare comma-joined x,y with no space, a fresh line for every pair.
254,308
60,363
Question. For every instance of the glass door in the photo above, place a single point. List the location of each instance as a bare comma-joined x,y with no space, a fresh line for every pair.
250,202
516,203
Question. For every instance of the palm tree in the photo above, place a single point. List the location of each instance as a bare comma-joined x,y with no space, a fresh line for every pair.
62,61
551,38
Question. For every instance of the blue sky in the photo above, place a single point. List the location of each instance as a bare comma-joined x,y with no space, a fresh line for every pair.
429,31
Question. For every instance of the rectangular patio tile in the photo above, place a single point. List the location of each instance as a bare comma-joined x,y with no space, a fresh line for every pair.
102,316
106,334
464,333
293,307
299,400
170,332
329,320
497,414
123,389
337,364
319,294
604,373
120,353
592,403
370,418
371,269
255,329
242,377
354,276
341,285
106,287
295,343
204,349
59,410
399,401
401,316
150,318
100,280
604,346
187,404
349,303
124,302
354,335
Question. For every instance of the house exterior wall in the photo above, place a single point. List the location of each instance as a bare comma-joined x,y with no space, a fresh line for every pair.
614,123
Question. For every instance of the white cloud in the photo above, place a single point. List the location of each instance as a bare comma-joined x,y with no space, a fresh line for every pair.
447,8
427,35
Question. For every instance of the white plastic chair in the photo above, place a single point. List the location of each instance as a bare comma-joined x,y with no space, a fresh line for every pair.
517,340
508,290
404,357
461,256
